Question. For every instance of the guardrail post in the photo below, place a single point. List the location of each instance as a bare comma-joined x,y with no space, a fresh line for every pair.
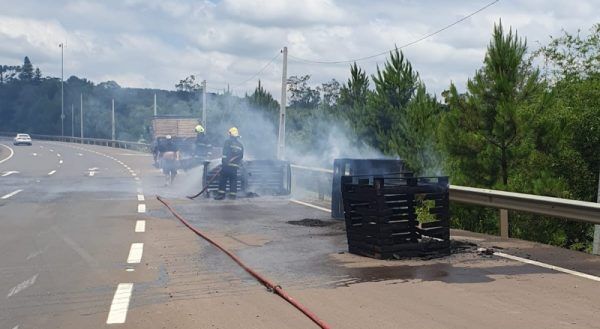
504,223
320,187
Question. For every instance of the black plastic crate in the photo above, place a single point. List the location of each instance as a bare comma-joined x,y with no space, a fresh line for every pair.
395,216
262,177
353,167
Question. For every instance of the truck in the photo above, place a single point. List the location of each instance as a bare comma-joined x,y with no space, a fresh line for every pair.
182,131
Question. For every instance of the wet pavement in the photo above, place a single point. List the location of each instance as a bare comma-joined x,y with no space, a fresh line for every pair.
65,240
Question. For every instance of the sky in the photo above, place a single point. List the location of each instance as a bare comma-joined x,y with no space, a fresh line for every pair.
156,43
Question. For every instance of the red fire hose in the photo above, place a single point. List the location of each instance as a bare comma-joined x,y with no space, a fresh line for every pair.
264,281
210,181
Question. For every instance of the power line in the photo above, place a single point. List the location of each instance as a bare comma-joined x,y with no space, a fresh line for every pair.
259,72
401,47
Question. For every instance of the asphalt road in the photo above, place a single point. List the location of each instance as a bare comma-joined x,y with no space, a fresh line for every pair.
70,257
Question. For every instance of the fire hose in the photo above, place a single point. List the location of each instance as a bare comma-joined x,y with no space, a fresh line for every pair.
261,279
211,180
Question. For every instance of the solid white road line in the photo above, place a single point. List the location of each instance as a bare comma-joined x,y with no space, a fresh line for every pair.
310,205
10,155
51,173
548,266
140,226
22,286
11,194
135,253
141,208
120,304
140,197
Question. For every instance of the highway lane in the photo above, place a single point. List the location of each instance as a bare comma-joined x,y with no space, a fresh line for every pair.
65,238
69,250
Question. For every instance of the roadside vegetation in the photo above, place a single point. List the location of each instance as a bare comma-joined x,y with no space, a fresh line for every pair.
528,121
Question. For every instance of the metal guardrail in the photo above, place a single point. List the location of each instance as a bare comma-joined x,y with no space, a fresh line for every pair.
312,179
588,212
143,147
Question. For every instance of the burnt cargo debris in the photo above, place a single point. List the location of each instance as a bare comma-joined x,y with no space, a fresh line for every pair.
396,215
256,177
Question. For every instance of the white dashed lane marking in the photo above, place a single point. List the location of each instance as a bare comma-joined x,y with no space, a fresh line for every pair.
140,226
10,194
141,208
22,286
140,197
61,162
120,304
8,173
135,253
51,173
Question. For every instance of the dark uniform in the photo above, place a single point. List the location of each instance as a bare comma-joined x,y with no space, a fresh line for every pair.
233,153
201,145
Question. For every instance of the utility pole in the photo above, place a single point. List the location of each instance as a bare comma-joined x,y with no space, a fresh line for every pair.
155,104
204,104
72,121
62,91
282,106
596,243
81,116
113,119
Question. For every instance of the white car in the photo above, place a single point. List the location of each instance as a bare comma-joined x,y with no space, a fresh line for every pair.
22,139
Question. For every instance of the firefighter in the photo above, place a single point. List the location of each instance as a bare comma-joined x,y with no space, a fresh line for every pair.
169,155
233,153
201,147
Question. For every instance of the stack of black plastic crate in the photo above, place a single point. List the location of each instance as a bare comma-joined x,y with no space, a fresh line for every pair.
382,214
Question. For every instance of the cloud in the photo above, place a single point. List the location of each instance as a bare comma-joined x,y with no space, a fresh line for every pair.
285,13
155,43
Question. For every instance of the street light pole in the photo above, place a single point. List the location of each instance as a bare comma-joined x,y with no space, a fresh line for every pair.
81,117
113,119
204,104
62,90
72,120
282,105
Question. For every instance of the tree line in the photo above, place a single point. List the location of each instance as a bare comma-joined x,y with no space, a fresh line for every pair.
528,121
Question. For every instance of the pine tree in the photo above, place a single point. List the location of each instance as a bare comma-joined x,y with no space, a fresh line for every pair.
414,136
37,75
485,128
353,101
26,73
262,100
395,86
